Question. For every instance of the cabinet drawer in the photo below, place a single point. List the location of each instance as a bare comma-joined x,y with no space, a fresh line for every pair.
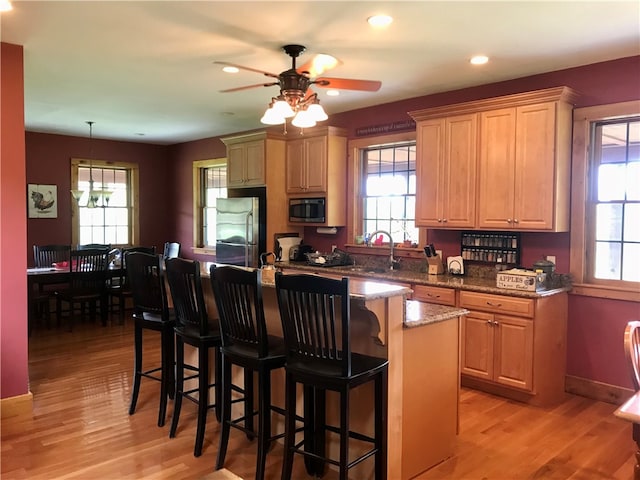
442,296
523,307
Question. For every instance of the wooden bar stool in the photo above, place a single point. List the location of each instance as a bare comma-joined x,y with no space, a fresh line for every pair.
245,343
315,315
194,328
151,312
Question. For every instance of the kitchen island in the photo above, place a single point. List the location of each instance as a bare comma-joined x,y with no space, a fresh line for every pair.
421,342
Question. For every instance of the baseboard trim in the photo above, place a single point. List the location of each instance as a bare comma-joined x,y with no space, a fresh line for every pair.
603,392
18,405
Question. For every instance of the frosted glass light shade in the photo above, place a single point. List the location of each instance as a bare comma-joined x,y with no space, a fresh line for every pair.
271,117
77,194
303,119
283,109
317,112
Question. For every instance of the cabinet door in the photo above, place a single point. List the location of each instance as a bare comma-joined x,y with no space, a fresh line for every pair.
236,155
535,166
496,168
295,166
459,202
254,169
477,345
316,164
513,352
429,173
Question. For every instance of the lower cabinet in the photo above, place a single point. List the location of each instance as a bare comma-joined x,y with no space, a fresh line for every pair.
498,348
514,346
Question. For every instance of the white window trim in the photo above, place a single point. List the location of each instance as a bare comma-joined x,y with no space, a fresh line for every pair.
198,165
134,218
580,238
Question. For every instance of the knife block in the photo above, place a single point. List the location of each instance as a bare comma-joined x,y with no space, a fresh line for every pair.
434,265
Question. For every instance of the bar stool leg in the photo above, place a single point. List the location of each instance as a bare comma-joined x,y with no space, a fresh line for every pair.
344,433
137,367
177,405
290,427
264,421
203,397
225,386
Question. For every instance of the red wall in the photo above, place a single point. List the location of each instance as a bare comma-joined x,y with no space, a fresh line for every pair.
48,162
14,378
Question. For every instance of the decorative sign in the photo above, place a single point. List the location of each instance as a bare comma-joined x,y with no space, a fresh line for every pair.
42,201
398,126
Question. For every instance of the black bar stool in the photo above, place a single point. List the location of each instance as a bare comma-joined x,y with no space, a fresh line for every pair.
150,311
315,315
194,328
245,343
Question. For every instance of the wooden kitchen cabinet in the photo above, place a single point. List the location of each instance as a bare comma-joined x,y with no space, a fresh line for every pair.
515,346
316,166
316,162
446,171
247,157
496,164
431,294
524,166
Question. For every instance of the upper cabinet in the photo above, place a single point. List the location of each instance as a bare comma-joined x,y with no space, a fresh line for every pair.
316,166
496,164
246,159
446,172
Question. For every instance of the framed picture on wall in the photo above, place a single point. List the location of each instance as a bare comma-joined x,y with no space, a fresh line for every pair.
42,201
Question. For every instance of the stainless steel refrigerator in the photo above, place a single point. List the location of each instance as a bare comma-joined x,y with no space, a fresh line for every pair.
238,225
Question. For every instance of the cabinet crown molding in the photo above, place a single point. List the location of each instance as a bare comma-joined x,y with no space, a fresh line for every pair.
252,136
555,94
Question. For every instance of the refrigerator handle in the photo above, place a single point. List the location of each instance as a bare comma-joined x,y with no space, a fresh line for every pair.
247,226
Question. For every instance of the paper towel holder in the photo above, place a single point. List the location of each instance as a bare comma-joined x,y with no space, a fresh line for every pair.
327,230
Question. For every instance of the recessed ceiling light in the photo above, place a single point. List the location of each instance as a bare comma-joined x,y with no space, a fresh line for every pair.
379,20
230,69
479,60
5,5
333,93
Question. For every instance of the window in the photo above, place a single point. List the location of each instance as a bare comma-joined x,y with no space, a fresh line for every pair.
389,176
112,219
210,183
605,230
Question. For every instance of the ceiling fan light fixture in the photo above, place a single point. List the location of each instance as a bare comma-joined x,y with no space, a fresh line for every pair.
303,119
271,117
282,108
317,112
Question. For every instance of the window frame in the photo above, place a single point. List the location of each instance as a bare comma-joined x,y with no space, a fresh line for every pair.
355,172
134,196
582,242
198,221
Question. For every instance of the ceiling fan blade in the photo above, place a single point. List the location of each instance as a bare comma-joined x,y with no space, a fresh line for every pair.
247,87
348,84
268,74
319,64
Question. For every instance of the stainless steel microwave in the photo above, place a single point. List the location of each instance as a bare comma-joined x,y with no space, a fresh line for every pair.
307,210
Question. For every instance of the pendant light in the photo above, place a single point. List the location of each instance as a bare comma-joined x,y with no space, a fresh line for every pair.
94,194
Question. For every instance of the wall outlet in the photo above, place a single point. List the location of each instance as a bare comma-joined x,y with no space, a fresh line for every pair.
439,253
551,258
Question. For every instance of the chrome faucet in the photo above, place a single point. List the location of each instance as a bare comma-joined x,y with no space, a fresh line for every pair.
373,236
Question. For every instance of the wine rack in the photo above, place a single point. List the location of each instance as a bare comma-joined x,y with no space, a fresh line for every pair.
491,247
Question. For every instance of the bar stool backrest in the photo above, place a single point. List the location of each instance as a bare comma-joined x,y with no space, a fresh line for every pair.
315,319
238,295
186,292
145,275
171,250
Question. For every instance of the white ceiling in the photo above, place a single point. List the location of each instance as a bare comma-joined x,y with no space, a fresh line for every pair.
143,71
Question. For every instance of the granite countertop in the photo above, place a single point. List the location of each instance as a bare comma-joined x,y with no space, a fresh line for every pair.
421,313
477,284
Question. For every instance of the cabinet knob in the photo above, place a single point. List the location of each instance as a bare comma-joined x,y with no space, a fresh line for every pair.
515,220
439,220
509,220
444,220
495,322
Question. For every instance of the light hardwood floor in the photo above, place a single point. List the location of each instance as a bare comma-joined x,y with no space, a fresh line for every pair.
80,427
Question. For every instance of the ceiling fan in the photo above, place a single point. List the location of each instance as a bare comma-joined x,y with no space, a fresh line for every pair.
295,94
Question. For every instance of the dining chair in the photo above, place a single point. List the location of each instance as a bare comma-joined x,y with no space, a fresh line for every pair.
145,274
87,284
315,316
92,246
45,256
171,250
246,344
195,328
118,284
